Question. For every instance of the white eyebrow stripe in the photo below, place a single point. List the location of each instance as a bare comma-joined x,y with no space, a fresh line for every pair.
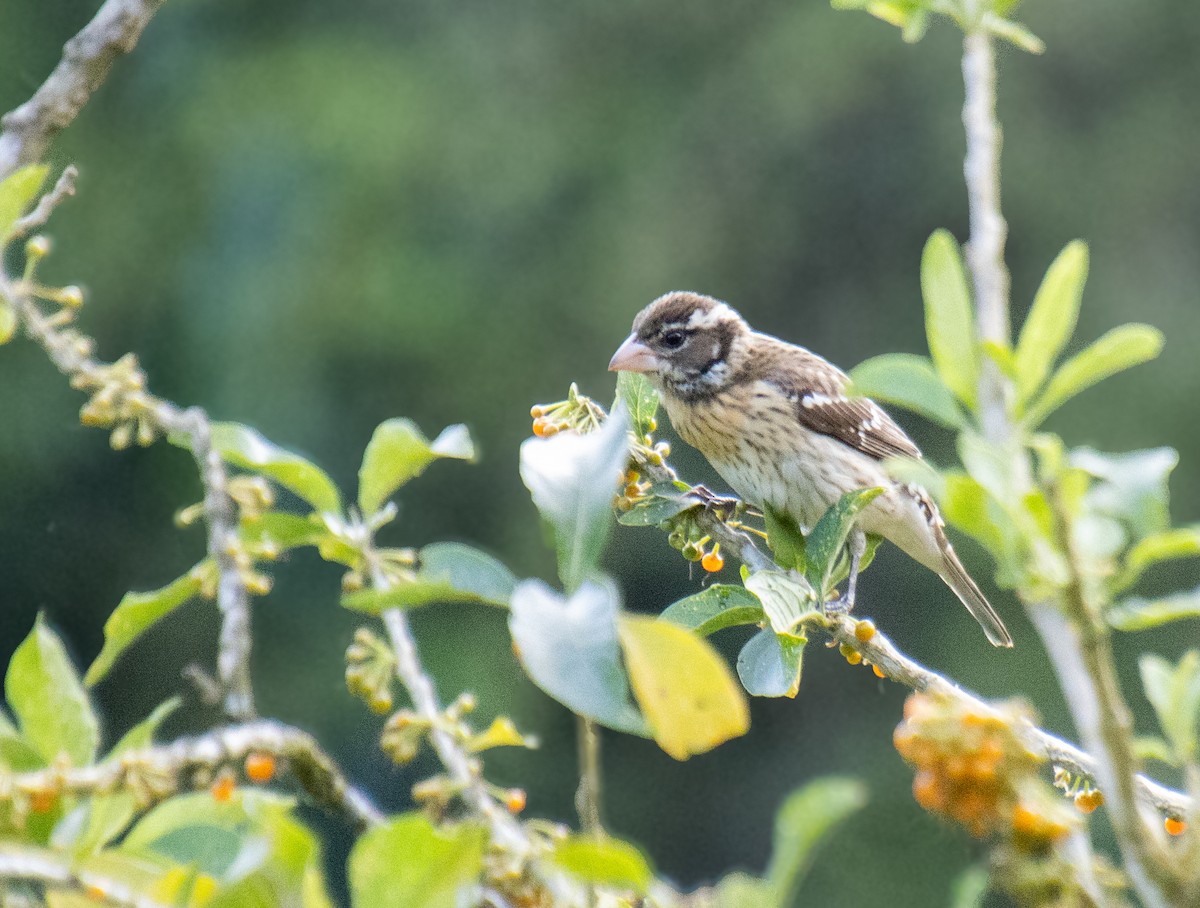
710,319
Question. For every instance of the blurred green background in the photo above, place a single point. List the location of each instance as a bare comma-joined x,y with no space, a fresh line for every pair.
310,217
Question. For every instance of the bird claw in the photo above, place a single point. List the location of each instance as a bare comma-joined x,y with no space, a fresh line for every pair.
836,608
719,504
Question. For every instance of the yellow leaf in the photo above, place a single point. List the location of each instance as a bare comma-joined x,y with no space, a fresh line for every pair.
686,691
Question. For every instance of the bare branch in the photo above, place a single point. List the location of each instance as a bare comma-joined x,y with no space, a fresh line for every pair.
158,772
87,58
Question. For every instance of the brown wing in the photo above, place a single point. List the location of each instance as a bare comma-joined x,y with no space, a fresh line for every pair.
817,389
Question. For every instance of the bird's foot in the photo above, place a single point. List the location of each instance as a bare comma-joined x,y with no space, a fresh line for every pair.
721,505
836,608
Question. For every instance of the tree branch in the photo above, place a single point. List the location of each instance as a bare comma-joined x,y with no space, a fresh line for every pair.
128,404
87,58
156,773
54,870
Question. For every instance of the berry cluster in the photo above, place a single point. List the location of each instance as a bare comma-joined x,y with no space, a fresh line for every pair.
577,413
976,769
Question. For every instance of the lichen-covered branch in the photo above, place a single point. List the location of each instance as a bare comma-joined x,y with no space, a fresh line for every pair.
120,401
54,870
158,772
26,131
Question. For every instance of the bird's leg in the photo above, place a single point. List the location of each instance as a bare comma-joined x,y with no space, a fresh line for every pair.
858,546
720,505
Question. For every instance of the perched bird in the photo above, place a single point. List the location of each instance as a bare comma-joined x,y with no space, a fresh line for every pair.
779,425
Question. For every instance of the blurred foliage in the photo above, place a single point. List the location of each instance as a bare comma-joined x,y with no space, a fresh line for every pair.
312,218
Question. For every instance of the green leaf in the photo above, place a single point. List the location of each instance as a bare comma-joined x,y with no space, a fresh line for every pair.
501,733
16,754
908,381
446,572
282,530
787,599
17,192
8,321
1132,487
967,505
641,401
803,822
662,501
740,890
827,538
1183,542
135,614
1152,747
43,690
142,734
573,479
1014,33
770,664
398,452
949,319
1051,320
785,539
1174,692
970,888
1002,355
1140,614
570,650
408,862
686,691
245,448
717,607
1120,349
609,862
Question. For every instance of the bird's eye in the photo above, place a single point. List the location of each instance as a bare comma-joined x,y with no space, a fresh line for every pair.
673,340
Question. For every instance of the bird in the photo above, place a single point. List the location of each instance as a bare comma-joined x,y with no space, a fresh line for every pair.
782,426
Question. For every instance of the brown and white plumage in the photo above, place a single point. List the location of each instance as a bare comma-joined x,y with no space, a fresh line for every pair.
779,425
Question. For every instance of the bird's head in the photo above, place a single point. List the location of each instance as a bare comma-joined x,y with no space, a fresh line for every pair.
686,343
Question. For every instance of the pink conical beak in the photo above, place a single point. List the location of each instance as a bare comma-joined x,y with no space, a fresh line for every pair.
634,356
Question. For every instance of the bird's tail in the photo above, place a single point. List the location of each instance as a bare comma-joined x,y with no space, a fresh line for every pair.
972,597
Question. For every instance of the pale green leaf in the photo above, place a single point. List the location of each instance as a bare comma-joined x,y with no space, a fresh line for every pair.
569,648
43,690
606,861
1120,349
740,890
949,318
1132,487
8,322
134,615
785,539
786,598
399,452
501,733
640,399
685,690
1174,692
770,664
1138,614
662,501
573,479
908,381
1002,355
970,888
825,542
1152,747
714,608
407,862
246,448
804,821
1051,320
1014,33
17,192
1183,542
446,572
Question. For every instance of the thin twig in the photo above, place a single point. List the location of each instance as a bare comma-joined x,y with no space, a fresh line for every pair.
87,58
64,187
588,797
460,767
158,772
71,354
54,870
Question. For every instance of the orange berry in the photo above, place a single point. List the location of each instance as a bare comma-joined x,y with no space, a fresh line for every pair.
864,630
539,427
632,477
42,800
96,893
260,768
970,805
956,767
536,411
929,791
1175,826
222,789
515,800
878,671
712,562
